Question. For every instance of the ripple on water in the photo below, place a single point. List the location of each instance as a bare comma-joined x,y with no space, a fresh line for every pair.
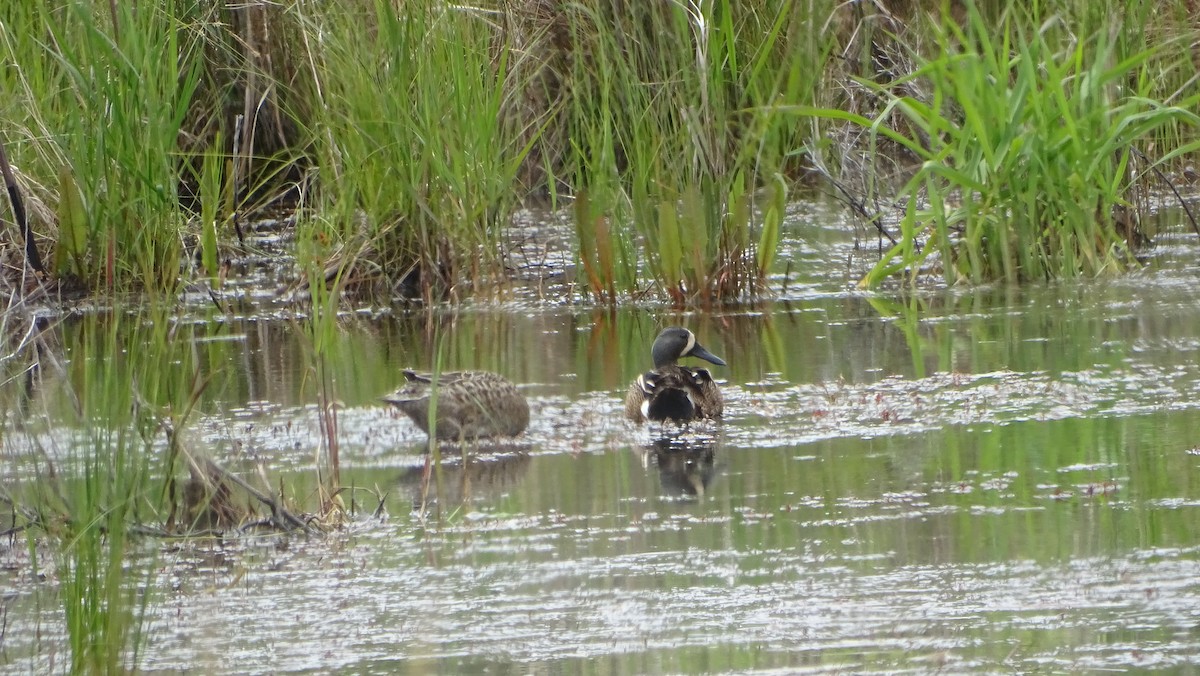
902,510
859,612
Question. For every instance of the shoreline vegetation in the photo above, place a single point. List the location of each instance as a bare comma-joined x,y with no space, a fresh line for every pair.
980,141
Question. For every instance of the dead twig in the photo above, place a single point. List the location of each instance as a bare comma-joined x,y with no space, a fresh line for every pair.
213,475
280,516
1182,202
18,206
857,205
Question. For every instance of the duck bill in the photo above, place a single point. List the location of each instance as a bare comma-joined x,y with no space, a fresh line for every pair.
699,351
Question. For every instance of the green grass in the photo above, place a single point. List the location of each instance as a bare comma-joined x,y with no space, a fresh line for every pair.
99,585
112,112
126,380
408,138
122,87
411,148
675,125
413,167
1026,141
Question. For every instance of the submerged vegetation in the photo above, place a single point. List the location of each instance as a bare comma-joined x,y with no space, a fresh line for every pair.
1019,146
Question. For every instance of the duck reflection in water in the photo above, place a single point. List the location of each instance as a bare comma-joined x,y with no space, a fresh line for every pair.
686,464
464,479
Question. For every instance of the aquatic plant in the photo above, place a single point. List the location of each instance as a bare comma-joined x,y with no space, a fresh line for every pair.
114,481
109,94
100,503
673,111
141,137
414,169
1026,132
118,125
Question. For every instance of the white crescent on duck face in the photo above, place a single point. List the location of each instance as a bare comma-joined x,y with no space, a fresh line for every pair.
674,392
470,404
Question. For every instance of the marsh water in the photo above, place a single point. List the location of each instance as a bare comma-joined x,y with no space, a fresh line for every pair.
1001,479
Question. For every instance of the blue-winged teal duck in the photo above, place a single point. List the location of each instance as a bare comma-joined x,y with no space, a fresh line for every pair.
470,404
671,391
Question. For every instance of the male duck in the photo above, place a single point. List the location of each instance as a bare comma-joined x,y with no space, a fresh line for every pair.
671,391
470,404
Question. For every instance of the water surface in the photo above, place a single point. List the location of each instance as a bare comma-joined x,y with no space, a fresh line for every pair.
998,479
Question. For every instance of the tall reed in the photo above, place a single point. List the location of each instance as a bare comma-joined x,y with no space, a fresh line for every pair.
1026,138
411,132
674,108
121,82
415,173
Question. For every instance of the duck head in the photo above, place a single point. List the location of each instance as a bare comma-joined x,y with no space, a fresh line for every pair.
676,343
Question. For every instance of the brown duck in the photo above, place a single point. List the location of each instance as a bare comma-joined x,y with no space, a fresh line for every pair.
470,404
674,392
